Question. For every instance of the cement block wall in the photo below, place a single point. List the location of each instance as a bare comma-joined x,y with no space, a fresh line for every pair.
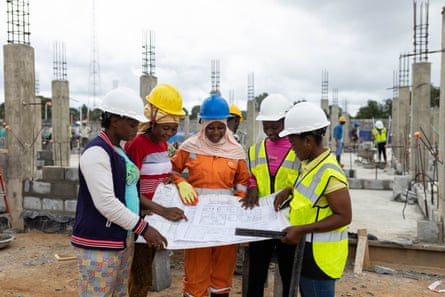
49,203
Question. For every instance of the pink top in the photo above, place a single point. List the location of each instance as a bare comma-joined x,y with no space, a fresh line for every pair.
276,151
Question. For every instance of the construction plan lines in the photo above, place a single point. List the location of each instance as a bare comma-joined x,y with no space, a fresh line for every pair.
213,220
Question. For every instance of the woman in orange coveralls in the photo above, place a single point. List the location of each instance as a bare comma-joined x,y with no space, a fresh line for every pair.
216,165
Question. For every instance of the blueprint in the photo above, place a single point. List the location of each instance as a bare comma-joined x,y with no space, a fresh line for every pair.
213,220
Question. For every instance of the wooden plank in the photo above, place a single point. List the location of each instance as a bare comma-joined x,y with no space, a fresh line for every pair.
64,258
362,252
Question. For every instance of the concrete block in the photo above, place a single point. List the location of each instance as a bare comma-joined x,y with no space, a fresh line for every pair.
355,183
64,190
400,184
428,231
350,173
72,174
41,187
375,184
52,204
32,203
27,186
70,205
161,271
53,173
44,155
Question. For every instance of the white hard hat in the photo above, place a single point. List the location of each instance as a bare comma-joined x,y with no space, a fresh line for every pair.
273,108
304,117
379,124
124,102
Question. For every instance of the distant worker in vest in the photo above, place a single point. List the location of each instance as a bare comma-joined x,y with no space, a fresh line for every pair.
234,120
273,166
107,212
149,151
339,134
320,207
216,164
355,135
379,138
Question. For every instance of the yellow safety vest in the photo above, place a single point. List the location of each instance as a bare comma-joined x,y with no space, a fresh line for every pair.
379,136
285,176
309,205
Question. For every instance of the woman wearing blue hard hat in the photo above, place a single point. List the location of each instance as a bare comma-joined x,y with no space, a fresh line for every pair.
216,165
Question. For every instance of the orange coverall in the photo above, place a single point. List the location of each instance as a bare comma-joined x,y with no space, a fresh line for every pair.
211,267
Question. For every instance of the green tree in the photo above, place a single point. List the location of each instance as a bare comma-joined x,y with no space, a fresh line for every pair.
435,96
259,99
375,110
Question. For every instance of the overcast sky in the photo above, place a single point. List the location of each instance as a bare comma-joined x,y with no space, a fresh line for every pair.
287,44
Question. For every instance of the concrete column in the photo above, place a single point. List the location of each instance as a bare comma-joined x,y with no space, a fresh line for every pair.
324,104
253,126
441,197
347,129
404,126
395,128
186,127
60,122
420,115
334,120
146,84
23,114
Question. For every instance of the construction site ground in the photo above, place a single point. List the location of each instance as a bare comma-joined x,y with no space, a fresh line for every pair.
29,266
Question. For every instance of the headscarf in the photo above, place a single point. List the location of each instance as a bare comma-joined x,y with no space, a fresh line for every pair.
157,116
227,147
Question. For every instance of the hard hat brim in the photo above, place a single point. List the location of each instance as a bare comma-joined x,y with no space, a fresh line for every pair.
287,132
269,118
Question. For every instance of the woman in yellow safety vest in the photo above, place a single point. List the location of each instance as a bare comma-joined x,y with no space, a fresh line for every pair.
379,138
273,166
320,209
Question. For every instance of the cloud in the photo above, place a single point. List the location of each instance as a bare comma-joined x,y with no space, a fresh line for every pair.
286,44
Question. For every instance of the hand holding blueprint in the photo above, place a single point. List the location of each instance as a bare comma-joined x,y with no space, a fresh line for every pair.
213,220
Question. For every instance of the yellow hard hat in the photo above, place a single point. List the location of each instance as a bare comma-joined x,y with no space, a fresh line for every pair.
233,109
342,119
167,98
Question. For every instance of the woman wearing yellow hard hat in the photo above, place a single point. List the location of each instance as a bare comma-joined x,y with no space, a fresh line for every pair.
149,151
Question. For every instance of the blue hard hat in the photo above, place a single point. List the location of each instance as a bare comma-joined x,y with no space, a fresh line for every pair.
356,124
214,107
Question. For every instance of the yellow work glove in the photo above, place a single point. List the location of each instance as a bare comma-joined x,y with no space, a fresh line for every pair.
187,193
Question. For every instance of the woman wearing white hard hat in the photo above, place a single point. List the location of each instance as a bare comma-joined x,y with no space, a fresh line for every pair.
273,166
320,207
107,213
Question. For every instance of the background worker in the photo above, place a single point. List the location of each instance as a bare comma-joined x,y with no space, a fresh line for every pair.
379,138
149,151
339,134
355,135
320,209
85,132
107,212
234,120
3,132
273,166
216,165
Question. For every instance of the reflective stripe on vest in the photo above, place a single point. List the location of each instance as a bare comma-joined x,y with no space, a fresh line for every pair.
286,174
326,236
